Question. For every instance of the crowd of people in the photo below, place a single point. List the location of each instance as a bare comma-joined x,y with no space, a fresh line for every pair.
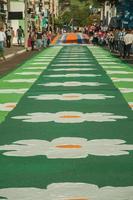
7,37
117,40
37,39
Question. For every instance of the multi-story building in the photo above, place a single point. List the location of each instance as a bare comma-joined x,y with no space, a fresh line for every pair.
108,11
52,10
3,12
52,6
36,13
39,12
117,14
16,6
125,13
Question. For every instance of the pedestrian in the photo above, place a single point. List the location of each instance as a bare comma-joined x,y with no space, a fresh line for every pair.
2,42
33,39
48,39
121,43
116,39
128,39
12,35
20,35
111,41
39,40
44,40
8,37
29,42
95,39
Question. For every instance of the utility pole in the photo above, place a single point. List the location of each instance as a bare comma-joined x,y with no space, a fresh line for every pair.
53,16
8,10
26,25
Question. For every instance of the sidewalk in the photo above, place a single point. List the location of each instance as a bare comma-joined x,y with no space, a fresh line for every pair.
14,57
14,50
127,60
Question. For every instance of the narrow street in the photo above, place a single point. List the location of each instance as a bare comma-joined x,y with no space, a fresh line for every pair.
66,124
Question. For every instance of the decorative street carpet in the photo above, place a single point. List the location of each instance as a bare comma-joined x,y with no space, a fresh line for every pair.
70,135
70,38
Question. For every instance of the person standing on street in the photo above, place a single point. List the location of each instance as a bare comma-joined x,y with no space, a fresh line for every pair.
20,35
121,43
116,39
12,35
49,36
44,39
33,39
8,37
2,42
128,39
39,40
111,41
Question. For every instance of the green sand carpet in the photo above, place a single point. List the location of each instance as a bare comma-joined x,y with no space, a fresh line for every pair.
70,136
14,85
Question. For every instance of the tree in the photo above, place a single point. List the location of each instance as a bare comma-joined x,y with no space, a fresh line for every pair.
74,12
99,2
77,12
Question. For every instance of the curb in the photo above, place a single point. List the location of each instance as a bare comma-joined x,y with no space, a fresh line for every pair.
16,53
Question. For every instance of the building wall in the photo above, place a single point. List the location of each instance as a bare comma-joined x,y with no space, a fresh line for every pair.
123,11
3,12
16,6
56,8
107,12
53,6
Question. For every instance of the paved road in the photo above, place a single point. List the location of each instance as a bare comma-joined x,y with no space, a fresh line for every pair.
66,126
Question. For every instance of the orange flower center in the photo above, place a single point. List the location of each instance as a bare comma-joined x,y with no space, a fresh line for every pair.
71,96
78,199
10,106
69,146
70,116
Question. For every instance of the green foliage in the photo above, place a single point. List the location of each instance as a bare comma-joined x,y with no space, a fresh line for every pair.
98,2
77,14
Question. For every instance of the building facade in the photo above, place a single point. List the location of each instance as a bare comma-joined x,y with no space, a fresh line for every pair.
108,11
39,13
3,12
125,13
117,15
16,6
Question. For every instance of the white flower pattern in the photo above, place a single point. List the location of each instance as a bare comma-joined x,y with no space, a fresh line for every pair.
67,148
69,117
69,191
71,97
73,84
